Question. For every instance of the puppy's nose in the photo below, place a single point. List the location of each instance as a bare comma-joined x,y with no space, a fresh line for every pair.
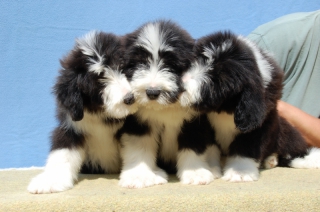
153,93
128,99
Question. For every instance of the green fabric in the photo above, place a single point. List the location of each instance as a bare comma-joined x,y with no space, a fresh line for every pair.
294,41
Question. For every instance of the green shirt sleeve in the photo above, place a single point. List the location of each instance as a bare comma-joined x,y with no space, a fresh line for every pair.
294,41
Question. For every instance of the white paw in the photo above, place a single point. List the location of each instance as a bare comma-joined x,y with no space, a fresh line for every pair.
196,177
240,176
310,161
50,183
241,169
137,178
271,161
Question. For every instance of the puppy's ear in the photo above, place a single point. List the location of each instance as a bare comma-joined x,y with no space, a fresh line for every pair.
69,96
74,105
251,109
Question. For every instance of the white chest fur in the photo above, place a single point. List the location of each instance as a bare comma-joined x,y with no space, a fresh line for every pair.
167,123
100,145
224,127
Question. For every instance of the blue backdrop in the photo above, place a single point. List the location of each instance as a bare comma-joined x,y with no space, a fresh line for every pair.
34,35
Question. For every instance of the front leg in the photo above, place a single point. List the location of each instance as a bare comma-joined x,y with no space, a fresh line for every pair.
194,169
246,152
139,162
63,163
198,158
60,171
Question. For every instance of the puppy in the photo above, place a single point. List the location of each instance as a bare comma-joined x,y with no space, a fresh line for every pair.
238,85
93,99
156,56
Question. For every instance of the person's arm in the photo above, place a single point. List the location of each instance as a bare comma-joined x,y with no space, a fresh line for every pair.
308,125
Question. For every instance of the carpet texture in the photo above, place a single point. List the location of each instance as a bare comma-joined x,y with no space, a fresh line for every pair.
279,189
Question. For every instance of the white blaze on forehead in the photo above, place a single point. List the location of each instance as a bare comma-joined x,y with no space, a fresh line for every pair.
89,45
264,66
153,39
214,51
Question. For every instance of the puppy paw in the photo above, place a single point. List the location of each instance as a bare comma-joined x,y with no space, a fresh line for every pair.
234,176
271,161
142,178
197,177
241,169
50,183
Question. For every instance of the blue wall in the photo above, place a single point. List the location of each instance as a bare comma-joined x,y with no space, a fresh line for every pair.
35,34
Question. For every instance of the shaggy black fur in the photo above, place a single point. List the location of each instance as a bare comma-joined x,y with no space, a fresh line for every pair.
236,86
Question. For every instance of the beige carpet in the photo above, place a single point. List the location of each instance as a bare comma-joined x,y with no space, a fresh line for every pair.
279,189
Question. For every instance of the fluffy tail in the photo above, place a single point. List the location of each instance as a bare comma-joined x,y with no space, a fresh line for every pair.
309,161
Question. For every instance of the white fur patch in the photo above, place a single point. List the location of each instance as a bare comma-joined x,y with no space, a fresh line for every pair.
153,40
88,45
264,66
225,129
139,162
101,147
170,120
193,169
192,81
271,161
214,51
60,172
116,88
153,77
240,169
310,161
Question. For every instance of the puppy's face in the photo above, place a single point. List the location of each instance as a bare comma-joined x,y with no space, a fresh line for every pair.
91,78
226,77
157,55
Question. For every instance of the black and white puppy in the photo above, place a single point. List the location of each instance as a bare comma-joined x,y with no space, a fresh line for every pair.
156,56
93,98
238,85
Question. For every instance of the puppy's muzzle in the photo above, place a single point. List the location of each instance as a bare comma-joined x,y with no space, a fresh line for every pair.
153,93
128,99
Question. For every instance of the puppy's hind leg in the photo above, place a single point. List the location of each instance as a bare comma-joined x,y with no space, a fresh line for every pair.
310,161
271,161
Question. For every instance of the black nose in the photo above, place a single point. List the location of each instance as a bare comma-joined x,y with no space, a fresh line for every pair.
153,93
128,99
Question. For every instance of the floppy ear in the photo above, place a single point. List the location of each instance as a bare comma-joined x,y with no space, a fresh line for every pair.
69,96
250,111
74,105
